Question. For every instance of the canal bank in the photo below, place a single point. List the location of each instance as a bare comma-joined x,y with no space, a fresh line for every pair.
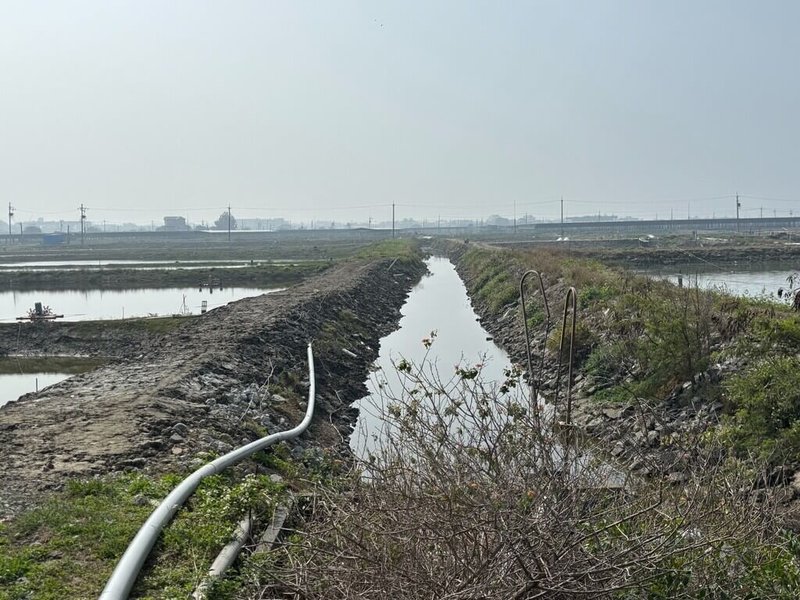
209,384
663,375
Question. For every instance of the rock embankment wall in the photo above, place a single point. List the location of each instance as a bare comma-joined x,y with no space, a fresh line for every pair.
639,438
216,382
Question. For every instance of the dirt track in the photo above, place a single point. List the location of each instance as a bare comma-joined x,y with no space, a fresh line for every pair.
202,386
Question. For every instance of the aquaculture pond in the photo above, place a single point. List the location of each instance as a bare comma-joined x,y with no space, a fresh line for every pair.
88,305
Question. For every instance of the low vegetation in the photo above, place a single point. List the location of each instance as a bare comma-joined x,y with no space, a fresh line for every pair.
470,497
51,364
641,339
68,547
259,276
474,493
404,250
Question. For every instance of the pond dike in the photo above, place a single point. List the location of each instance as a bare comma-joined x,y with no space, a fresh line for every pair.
636,439
109,340
215,383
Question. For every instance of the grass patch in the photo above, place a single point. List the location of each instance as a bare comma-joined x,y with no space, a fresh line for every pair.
404,250
68,546
596,294
765,400
492,281
53,364
259,275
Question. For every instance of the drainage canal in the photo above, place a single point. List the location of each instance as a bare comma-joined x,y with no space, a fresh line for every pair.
439,303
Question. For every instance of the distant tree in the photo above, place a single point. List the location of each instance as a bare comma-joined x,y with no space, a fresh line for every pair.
222,222
30,229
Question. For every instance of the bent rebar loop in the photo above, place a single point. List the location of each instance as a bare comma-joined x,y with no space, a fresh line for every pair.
570,306
534,379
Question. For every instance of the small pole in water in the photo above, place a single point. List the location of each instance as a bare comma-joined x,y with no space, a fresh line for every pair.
680,280
37,385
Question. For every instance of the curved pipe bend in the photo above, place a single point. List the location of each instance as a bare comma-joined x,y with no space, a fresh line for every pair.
127,570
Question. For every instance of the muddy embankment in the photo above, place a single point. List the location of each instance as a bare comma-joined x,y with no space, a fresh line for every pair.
109,278
751,255
210,384
111,339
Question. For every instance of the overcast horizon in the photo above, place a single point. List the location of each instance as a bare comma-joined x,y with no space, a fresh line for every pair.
335,111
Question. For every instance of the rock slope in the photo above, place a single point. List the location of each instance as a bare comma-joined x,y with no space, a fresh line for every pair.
214,383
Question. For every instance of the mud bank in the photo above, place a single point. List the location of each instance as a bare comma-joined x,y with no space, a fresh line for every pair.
117,339
109,278
209,384
717,254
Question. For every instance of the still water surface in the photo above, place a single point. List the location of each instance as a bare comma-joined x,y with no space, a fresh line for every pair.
141,265
738,282
437,303
86,305
14,386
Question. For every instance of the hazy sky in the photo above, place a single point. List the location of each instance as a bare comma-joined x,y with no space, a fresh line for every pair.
335,110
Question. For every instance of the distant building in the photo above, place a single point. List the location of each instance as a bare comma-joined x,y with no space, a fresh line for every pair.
175,224
54,239
272,224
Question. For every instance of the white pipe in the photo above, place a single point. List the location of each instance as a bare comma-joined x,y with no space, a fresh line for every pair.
127,570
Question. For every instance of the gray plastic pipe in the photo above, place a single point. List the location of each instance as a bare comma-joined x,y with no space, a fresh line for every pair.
124,576
225,558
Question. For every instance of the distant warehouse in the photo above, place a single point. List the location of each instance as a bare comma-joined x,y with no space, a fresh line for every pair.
54,239
175,224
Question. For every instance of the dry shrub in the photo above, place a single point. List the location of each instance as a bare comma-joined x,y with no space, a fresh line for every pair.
470,496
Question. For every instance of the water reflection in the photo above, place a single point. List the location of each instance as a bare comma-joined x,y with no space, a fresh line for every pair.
143,265
15,385
86,305
439,303
737,283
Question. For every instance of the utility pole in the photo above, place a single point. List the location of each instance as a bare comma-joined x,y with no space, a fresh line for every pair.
762,212
83,223
392,219
10,214
439,226
562,216
229,223
738,206
515,216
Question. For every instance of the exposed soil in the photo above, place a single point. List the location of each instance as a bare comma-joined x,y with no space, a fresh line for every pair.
113,339
704,253
260,276
211,383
